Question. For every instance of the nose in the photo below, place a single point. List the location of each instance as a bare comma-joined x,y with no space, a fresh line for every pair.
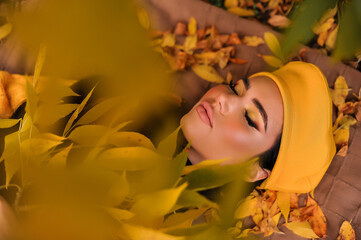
226,103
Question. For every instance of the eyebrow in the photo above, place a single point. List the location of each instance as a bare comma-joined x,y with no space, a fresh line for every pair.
262,111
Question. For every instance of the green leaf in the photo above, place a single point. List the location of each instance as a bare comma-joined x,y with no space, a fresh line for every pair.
190,198
182,219
302,229
207,178
247,208
77,111
157,204
195,229
59,159
37,146
305,17
135,232
143,18
284,203
48,115
130,139
168,146
54,90
5,30
97,111
208,73
39,63
119,214
11,155
8,123
129,158
118,191
89,135
32,100
348,38
273,44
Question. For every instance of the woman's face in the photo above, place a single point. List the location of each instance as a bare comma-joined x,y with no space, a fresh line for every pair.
237,122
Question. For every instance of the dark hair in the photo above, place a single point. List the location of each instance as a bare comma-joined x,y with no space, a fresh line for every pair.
268,159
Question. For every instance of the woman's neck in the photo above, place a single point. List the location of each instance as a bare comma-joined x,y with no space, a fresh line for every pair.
194,156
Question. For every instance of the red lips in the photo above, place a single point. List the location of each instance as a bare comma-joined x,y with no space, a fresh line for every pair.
205,112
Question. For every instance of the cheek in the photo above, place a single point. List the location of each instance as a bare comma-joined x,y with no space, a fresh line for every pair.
239,138
233,135
192,127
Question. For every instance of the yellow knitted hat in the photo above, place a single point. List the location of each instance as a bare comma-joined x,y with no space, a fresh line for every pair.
307,145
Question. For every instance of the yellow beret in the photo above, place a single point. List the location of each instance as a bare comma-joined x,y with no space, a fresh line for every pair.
307,145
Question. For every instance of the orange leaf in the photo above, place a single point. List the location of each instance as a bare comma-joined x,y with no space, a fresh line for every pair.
233,39
317,220
238,60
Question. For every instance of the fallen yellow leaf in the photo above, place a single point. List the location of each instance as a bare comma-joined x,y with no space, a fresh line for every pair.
168,40
346,232
273,43
207,73
231,3
190,44
241,12
192,26
340,91
302,229
272,61
143,18
253,41
247,208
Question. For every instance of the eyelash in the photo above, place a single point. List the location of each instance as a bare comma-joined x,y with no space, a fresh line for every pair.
231,86
248,119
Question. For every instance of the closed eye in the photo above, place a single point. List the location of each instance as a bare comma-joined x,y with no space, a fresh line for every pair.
249,121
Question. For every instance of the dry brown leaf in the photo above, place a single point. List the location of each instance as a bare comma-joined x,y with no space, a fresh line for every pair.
180,29
253,41
347,108
12,93
358,111
317,219
343,151
346,232
279,21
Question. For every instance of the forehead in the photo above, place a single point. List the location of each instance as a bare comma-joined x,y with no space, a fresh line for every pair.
266,91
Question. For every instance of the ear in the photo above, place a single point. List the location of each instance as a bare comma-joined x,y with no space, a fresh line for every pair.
257,173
